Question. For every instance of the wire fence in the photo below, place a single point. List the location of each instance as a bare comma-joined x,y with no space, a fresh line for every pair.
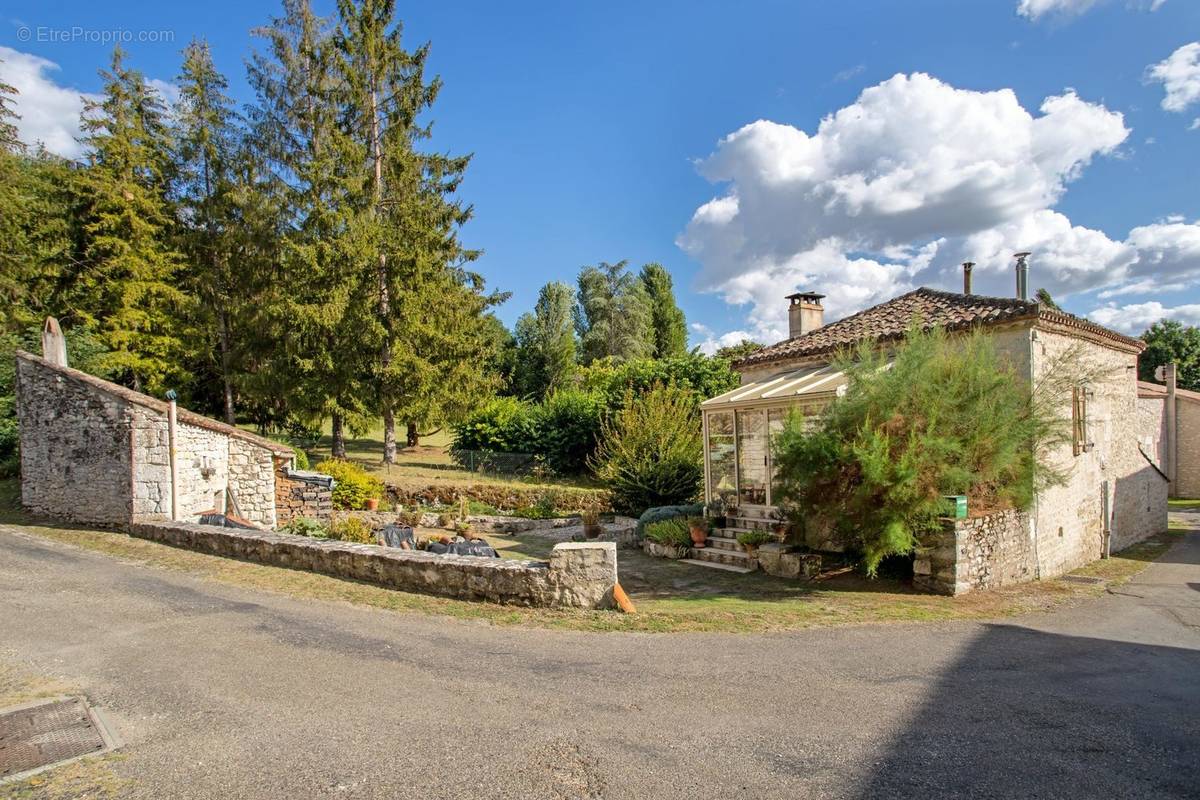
493,463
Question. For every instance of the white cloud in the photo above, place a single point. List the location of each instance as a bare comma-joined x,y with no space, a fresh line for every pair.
49,112
894,191
711,342
1179,73
1036,9
1137,317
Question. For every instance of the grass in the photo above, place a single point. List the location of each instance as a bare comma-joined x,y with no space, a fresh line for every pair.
428,464
670,597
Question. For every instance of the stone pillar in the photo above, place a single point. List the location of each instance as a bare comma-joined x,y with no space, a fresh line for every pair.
585,573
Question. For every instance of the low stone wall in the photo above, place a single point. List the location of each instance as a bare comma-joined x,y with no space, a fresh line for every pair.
980,553
505,498
578,574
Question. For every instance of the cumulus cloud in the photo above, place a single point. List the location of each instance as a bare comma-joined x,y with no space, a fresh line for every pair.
894,191
49,112
1036,9
1135,318
1179,73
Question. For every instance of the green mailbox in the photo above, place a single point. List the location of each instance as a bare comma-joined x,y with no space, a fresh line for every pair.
956,506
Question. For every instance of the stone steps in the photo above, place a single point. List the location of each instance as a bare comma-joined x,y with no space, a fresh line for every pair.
735,558
724,543
715,565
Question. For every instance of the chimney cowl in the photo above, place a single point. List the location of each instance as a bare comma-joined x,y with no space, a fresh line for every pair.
1022,274
805,313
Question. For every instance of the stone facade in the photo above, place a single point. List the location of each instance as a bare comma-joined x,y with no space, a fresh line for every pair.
1154,435
980,553
96,452
578,574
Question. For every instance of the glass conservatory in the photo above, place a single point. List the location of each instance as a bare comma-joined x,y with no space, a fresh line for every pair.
741,425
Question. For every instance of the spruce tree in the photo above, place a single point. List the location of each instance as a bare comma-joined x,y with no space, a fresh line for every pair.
613,314
410,233
667,322
546,343
316,316
125,286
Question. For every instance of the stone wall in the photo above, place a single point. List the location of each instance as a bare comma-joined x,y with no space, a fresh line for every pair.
151,465
1068,521
202,464
578,574
252,481
75,447
979,553
1187,418
301,494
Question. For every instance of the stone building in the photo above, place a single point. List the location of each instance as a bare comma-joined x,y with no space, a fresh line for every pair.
1114,494
96,452
1169,426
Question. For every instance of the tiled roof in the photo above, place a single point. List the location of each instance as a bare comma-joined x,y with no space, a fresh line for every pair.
948,310
1149,389
182,414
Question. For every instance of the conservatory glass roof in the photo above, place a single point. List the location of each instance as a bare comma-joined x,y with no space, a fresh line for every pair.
783,388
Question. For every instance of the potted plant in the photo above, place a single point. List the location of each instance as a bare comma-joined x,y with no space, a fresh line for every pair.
698,530
752,540
372,504
667,538
590,516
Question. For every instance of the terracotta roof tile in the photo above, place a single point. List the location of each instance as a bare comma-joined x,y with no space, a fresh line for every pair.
948,310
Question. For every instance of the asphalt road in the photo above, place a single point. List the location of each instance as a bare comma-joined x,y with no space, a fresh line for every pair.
227,693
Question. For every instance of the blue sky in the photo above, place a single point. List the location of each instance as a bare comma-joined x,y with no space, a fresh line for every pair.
596,129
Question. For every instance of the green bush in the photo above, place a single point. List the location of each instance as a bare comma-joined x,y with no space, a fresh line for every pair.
665,512
754,538
301,458
671,532
505,425
304,526
545,507
567,424
352,529
353,485
649,453
701,376
949,416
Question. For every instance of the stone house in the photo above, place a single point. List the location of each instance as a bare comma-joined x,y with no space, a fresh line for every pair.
1169,423
96,452
1114,495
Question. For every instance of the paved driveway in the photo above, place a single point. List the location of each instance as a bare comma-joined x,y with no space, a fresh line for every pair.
228,693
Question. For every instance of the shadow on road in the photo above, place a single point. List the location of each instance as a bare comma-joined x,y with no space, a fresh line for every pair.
1026,714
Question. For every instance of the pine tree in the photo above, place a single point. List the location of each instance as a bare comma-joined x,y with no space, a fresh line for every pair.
10,141
546,343
411,230
206,145
124,287
666,317
317,322
613,314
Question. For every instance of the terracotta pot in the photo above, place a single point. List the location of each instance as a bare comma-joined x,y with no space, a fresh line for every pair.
699,535
592,530
372,504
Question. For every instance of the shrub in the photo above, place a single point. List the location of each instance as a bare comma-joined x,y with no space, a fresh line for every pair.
671,532
949,416
504,425
352,529
664,512
567,424
301,458
753,538
353,485
410,518
545,507
304,526
650,452
699,375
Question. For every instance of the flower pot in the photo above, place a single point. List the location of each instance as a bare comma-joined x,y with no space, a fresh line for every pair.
372,504
699,535
592,530
751,549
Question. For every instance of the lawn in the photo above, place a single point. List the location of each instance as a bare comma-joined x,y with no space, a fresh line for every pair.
670,597
428,464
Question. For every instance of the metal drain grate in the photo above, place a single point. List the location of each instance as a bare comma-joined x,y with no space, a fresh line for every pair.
43,734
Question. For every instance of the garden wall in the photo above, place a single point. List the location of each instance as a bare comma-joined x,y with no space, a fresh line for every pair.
301,494
507,498
578,574
980,553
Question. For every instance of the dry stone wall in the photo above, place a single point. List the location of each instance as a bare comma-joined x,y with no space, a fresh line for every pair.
252,480
299,494
151,464
578,574
75,447
980,553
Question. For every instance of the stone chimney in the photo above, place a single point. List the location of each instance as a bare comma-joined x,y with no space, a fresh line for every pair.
805,313
1022,275
967,267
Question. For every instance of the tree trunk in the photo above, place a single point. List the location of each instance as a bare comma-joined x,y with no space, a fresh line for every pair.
225,369
338,448
414,438
385,306
389,434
